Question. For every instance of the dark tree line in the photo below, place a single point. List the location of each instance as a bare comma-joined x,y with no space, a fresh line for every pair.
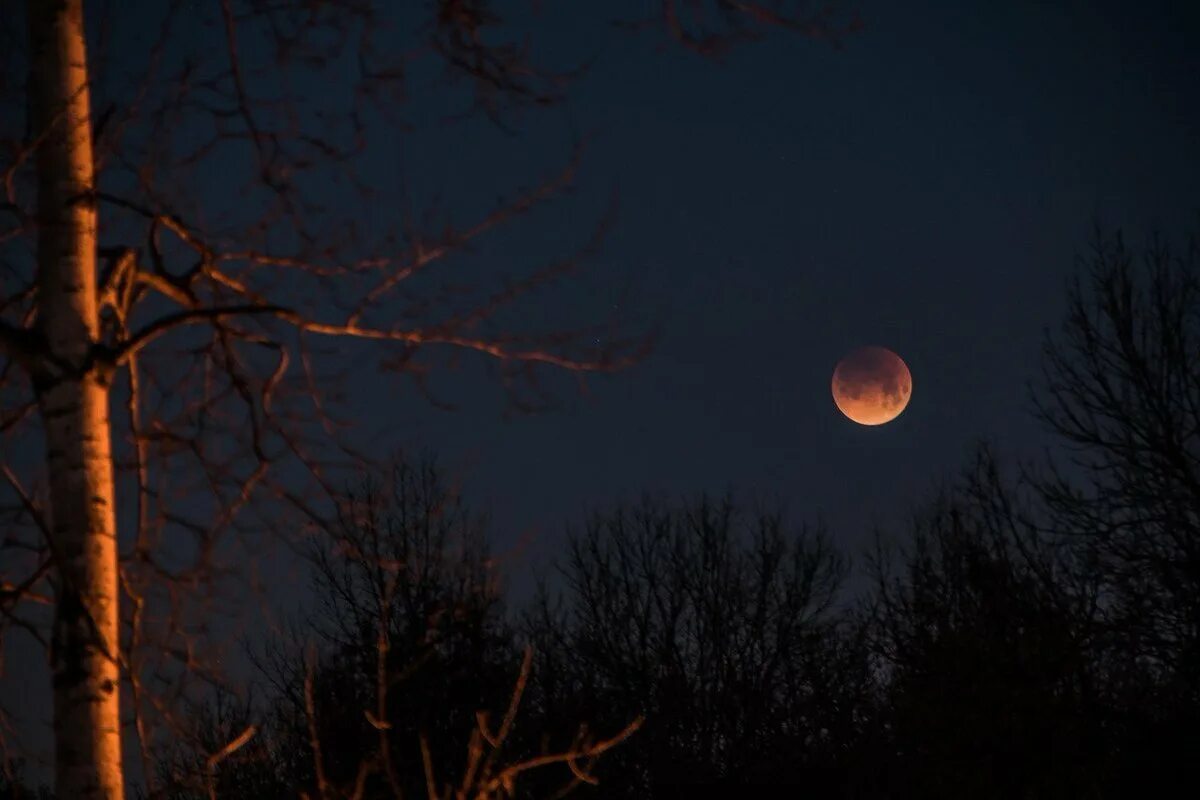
1031,632
714,622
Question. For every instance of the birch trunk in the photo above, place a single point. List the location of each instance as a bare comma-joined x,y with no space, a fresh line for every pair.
73,398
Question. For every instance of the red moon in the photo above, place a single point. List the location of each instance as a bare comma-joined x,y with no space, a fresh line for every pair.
872,385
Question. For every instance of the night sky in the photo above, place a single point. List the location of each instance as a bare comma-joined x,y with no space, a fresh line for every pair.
925,187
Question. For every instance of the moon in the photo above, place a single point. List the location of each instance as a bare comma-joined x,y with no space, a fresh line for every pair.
872,385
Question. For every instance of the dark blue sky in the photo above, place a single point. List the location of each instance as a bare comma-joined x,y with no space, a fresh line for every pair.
926,187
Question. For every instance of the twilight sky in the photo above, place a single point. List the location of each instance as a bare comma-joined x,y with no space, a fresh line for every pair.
926,188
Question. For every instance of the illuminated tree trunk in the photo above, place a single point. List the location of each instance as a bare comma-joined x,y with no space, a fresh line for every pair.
72,390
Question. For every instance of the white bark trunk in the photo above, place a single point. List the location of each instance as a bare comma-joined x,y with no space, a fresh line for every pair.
73,399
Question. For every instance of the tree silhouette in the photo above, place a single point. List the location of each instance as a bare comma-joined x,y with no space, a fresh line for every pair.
983,628
377,691
1121,391
715,623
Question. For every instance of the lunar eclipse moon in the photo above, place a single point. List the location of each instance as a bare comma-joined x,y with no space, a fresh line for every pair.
871,385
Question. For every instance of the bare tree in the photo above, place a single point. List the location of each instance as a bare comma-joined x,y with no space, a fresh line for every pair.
411,632
402,656
983,627
712,621
183,225
1122,392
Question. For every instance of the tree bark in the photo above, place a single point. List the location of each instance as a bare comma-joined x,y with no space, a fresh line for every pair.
73,398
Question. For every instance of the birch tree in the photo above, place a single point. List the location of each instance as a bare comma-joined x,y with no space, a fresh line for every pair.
181,257
70,379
